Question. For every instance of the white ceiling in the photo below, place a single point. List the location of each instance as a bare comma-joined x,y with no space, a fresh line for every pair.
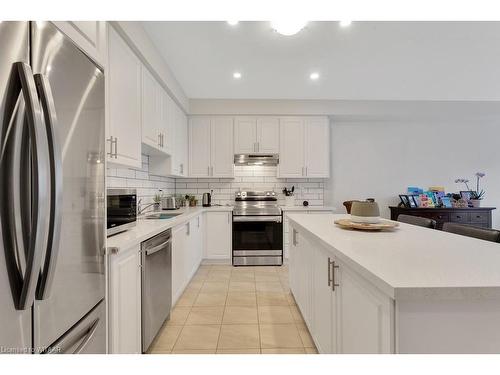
365,61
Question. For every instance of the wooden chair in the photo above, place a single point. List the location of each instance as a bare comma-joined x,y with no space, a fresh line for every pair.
471,231
417,220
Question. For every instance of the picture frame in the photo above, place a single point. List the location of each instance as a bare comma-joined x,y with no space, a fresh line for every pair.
405,200
466,194
414,201
446,202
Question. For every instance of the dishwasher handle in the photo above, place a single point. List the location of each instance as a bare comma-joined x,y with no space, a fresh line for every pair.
158,247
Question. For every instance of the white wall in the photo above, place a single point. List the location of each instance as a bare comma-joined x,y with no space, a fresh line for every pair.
379,159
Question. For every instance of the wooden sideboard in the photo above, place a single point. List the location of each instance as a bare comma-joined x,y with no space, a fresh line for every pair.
479,217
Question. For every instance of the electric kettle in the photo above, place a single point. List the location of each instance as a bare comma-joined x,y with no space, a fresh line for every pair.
207,199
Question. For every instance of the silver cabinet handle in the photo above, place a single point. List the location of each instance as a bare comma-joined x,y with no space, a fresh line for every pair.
111,142
306,171
294,238
329,272
302,171
208,170
258,146
116,148
334,284
212,173
188,228
159,139
229,214
56,186
12,164
198,221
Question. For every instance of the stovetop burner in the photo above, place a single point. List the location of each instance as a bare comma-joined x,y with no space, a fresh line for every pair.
256,203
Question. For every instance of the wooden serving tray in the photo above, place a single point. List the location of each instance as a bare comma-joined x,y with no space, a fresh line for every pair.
383,225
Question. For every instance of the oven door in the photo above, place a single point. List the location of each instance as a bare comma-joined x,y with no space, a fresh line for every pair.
257,240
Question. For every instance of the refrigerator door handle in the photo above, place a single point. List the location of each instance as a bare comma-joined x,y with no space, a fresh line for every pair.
68,341
56,187
33,228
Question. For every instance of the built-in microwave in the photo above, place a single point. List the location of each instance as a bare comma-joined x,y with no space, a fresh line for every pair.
121,210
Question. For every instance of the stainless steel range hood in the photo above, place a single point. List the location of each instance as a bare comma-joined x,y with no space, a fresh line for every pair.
256,159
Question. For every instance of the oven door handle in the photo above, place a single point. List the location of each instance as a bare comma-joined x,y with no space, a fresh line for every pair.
274,219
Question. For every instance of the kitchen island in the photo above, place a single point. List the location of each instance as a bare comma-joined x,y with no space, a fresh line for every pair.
411,290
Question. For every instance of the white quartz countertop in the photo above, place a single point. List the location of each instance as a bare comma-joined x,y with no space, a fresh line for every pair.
308,208
411,262
147,228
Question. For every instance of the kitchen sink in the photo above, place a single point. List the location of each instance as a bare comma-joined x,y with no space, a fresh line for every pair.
162,216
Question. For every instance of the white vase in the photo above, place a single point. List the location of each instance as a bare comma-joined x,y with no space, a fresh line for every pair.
290,201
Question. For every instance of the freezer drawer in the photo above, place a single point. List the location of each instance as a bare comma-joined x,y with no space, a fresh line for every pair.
88,336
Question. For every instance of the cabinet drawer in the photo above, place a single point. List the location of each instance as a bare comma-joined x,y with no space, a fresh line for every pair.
459,217
479,217
438,216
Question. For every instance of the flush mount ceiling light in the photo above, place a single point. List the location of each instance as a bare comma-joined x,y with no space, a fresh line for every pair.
314,76
288,27
345,23
233,23
236,75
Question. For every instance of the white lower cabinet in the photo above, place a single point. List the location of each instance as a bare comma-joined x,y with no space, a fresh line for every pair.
187,247
343,311
124,299
218,235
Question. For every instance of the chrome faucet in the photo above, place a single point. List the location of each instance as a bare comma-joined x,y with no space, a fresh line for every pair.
140,209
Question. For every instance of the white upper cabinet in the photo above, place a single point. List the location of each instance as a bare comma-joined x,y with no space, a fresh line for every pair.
304,147
222,152
151,110
181,142
268,135
291,163
256,135
174,140
166,122
245,135
211,151
123,87
317,147
199,147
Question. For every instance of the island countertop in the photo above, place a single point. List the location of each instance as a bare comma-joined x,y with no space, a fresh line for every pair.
411,262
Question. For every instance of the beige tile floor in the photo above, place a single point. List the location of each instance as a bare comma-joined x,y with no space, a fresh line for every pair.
235,310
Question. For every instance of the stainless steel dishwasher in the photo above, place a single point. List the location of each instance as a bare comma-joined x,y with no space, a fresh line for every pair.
156,288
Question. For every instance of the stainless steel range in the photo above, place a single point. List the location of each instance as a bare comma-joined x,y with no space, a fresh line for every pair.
257,229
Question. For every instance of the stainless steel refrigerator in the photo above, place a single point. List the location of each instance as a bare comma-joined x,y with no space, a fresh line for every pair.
52,211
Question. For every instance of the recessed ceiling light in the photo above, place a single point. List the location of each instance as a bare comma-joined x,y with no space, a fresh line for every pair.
288,27
314,76
233,23
345,23
236,75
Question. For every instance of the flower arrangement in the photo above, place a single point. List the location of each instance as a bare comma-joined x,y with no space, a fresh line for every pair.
477,194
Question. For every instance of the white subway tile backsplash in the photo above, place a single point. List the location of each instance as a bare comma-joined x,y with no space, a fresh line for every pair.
246,177
147,185
252,178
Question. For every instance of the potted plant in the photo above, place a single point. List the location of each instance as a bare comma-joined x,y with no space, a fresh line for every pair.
192,201
157,201
475,195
